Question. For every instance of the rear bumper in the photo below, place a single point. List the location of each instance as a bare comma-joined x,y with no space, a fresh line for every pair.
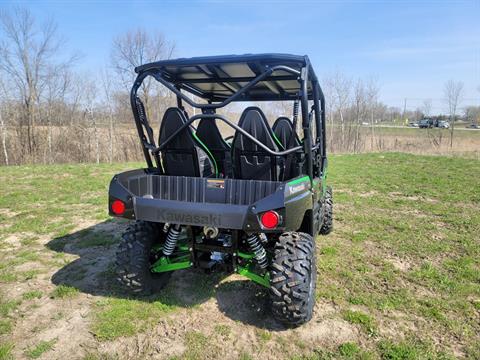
223,203
177,212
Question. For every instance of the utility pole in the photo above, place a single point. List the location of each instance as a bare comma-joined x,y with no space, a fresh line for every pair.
404,110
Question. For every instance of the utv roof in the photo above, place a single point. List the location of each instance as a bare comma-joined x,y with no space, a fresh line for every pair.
215,78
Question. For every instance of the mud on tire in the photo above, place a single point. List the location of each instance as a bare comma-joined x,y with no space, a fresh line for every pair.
293,277
327,225
133,258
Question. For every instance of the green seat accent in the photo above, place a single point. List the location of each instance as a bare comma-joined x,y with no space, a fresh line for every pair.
208,153
277,140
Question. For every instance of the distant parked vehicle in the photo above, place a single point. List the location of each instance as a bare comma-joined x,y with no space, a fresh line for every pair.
413,124
442,124
473,126
425,124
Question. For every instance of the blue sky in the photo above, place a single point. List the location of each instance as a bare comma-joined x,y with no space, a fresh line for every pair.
411,47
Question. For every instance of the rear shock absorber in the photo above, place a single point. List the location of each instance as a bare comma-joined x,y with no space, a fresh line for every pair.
256,247
171,240
296,104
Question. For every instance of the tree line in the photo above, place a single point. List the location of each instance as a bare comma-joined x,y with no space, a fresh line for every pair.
52,113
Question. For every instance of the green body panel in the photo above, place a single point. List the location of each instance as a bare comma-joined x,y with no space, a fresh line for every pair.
299,180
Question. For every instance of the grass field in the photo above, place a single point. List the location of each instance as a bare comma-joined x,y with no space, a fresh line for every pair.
399,278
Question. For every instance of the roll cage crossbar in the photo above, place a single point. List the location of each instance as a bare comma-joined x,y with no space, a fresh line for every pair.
231,98
208,112
228,122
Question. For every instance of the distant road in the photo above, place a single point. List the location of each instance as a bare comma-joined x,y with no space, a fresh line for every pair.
409,127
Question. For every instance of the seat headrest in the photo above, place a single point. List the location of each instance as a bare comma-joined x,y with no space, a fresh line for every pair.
283,129
255,123
173,119
209,133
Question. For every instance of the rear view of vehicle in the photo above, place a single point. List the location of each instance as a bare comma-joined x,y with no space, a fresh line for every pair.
253,206
424,124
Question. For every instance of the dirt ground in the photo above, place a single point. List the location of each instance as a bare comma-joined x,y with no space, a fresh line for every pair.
232,303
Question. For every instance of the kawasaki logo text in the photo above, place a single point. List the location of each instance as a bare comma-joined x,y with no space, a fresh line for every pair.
167,216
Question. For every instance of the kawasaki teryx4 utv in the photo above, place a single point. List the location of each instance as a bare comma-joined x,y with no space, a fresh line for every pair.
253,205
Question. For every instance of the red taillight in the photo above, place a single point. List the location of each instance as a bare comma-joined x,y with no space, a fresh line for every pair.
270,219
118,207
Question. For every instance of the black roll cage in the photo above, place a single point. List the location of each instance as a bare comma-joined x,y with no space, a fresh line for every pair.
208,112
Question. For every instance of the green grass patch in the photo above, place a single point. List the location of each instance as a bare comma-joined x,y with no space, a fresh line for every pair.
125,317
5,326
39,349
362,319
223,330
29,274
30,295
7,306
28,255
245,356
63,291
8,276
57,202
92,239
197,346
264,335
402,351
6,351
351,351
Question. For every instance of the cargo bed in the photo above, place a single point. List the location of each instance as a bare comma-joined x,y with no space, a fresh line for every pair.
223,203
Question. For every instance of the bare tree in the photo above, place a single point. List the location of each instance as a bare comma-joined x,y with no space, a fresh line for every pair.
107,89
341,87
90,113
360,106
3,130
55,93
472,114
3,126
427,107
135,48
372,90
26,52
453,92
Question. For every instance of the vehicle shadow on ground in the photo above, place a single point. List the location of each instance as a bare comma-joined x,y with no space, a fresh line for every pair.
93,272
